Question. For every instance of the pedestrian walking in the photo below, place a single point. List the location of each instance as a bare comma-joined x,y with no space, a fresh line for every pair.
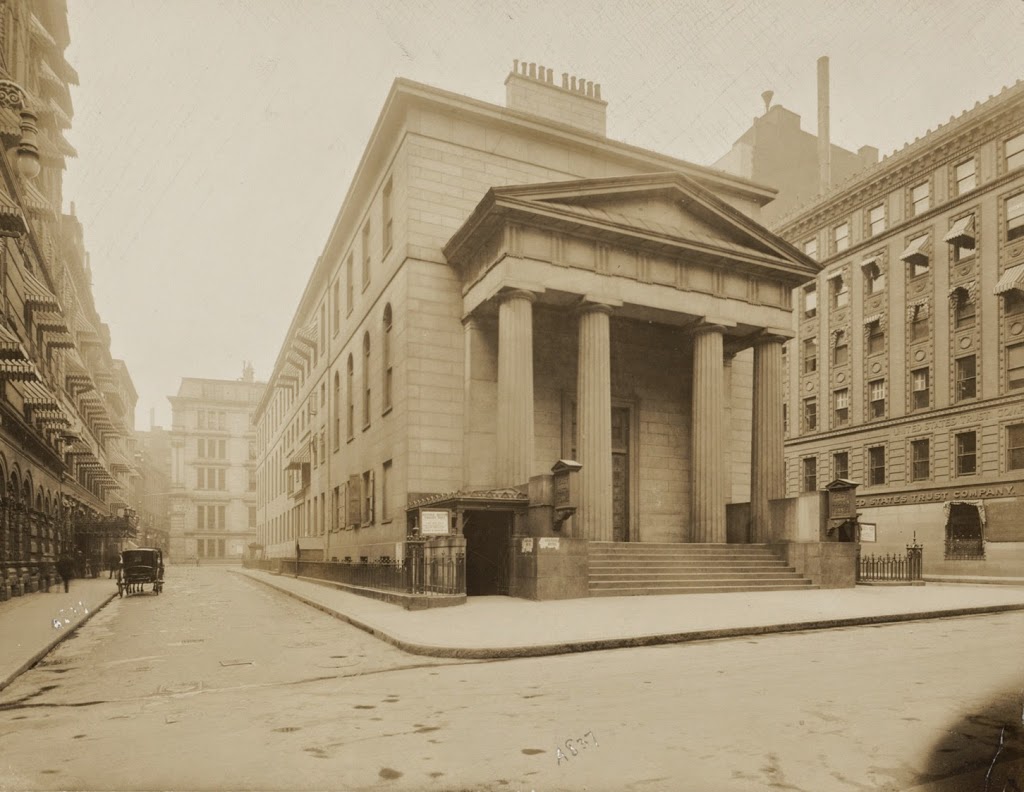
113,561
66,569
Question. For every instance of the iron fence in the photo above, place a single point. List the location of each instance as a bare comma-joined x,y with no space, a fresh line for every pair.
415,574
961,549
893,566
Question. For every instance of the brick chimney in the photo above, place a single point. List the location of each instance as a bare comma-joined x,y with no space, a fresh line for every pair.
530,88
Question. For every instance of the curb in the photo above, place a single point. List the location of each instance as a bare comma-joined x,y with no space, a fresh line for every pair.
61,635
600,644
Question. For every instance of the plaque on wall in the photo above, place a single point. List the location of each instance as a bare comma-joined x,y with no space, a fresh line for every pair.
548,543
868,532
527,546
435,522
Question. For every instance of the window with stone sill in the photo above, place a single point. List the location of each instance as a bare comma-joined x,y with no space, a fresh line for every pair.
839,290
966,453
965,176
1013,302
876,219
840,349
1015,447
811,248
966,378
1015,217
876,398
1014,150
841,407
920,199
841,237
920,466
810,360
920,389
918,324
810,295
810,474
810,414
964,311
841,465
876,465
1015,366
874,278
876,337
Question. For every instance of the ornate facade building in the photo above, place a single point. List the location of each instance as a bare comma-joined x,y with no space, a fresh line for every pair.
66,406
907,370
213,468
507,287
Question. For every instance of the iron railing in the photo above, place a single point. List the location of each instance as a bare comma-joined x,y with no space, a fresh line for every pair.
892,567
961,549
415,574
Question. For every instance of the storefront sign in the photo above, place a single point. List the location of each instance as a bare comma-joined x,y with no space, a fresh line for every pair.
868,532
548,543
435,522
938,496
527,546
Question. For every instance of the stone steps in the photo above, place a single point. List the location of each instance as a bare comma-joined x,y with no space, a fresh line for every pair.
632,569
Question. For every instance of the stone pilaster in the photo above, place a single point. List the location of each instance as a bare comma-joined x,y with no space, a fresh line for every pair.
515,388
767,463
594,422
708,461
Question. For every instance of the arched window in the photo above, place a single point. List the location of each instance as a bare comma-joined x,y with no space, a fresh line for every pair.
366,380
387,366
350,388
337,410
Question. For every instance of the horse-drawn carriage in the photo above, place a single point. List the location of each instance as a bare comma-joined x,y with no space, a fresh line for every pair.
144,565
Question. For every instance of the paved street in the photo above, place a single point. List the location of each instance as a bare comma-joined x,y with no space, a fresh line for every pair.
221,683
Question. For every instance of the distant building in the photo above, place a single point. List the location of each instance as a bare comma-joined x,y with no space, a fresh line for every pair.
777,153
213,468
504,288
153,487
907,370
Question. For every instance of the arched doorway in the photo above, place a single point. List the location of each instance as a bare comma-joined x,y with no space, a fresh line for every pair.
965,531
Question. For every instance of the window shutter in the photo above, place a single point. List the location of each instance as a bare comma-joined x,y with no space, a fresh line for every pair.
372,500
354,490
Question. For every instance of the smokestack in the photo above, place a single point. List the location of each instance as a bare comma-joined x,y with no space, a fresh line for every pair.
824,136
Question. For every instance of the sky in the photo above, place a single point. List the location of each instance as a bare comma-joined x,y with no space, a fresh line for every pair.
217,139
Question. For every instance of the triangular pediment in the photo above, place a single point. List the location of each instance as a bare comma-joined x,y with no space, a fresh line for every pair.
661,210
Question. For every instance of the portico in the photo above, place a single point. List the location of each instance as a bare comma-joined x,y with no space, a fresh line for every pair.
601,314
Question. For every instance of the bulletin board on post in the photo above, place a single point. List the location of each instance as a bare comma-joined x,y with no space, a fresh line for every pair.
435,522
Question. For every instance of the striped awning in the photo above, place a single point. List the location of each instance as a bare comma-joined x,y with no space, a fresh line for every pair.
1013,278
10,125
34,200
40,33
59,341
12,221
51,322
21,370
60,115
47,74
79,448
962,232
873,318
37,296
10,345
299,458
917,249
64,147
308,334
38,395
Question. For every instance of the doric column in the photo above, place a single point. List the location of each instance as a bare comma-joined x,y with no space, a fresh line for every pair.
707,464
594,422
515,388
767,465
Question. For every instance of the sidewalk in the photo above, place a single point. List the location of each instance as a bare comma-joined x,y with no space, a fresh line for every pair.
27,624
492,627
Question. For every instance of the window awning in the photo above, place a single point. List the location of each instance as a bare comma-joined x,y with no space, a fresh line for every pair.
37,296
875,260
873,318
10,345
917,249
39,31
12,222
299,458
962,232
18,370
38,395
1013,278
50,321
308,334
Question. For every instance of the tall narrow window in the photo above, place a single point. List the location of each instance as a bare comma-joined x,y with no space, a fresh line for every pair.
918,323
810,414
876,465
1013,302
811,248
920,389
323,328
841,236
810,355
877,394
966,177
920,452
386,215
841,465
1015,367
840,349
350,399
366,255
964,314
1015,152
810,301
810,482
1015,447
841,407
966,453
336,307
387,364
966,378
876,219
385,492
349,283
920,198
366,380
1015,217
337,410
840,291
874,278
876,337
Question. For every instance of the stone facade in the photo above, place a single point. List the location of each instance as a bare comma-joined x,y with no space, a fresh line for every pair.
504,288
213,469
907,370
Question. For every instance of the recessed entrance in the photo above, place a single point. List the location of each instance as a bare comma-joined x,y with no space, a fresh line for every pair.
964,533
620,473
488,546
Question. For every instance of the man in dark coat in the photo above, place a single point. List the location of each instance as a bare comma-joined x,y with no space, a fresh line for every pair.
66,569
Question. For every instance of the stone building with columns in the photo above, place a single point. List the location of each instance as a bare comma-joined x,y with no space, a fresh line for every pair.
505,288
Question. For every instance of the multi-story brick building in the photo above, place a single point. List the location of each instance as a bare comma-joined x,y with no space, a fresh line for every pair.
66,406
505,287
213,468
907,370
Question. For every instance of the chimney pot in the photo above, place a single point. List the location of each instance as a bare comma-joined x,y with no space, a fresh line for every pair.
565,80
590,88
515,66
533,71
573,88
582,85
551,76
597,90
